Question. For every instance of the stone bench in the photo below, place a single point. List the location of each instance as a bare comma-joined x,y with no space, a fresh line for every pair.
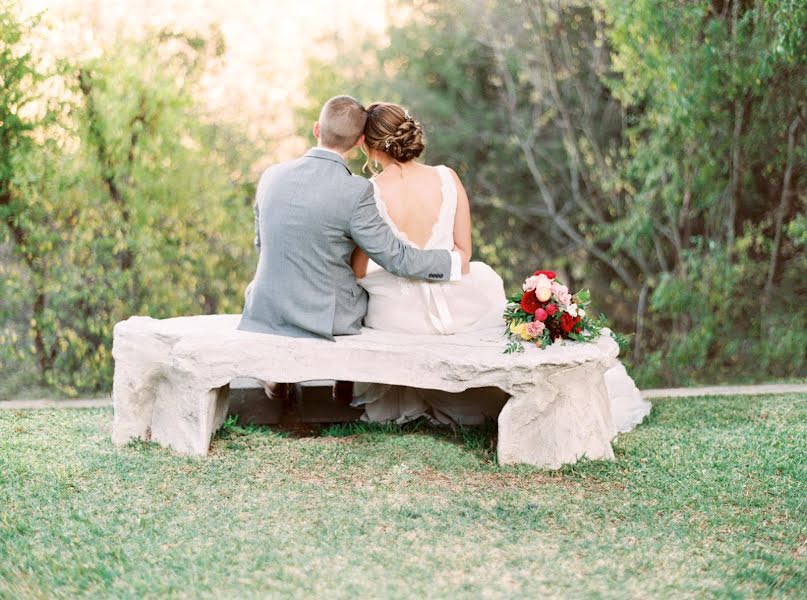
172,375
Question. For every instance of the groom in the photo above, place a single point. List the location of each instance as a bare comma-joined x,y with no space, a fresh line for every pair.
310,214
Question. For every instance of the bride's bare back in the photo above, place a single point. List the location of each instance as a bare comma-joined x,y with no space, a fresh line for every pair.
413,200
413,196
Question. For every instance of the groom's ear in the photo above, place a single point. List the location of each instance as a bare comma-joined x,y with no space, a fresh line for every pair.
316,129
359,142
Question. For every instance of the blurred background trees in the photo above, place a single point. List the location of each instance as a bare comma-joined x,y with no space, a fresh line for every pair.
117,198
652,151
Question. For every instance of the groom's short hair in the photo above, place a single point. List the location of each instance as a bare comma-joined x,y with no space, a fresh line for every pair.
341,122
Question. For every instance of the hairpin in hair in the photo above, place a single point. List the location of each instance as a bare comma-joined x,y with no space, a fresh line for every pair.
387,143
407,116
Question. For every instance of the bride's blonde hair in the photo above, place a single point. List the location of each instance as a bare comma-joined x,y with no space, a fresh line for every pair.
392,130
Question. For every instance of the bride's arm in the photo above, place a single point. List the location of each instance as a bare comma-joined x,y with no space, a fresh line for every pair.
462,225
358,262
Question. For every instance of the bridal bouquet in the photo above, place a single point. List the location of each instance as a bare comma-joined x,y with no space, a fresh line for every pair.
545,311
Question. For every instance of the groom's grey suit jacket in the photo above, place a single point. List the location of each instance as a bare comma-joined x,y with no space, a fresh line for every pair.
310,214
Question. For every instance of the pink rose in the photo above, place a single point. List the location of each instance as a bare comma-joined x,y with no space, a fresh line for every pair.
541,315
537,282
535,328
529,284
561,293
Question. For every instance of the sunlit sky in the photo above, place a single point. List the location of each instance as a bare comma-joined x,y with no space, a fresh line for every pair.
267,43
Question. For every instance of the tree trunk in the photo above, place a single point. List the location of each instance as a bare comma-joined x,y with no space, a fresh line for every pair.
734,178
641,309
125,257
44,357
781,212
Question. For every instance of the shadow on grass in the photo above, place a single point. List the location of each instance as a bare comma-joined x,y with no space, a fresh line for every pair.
479,439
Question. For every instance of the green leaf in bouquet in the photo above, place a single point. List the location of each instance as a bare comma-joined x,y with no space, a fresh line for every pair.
622,340
514,347
583,298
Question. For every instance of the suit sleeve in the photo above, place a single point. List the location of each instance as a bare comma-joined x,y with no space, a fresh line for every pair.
373,235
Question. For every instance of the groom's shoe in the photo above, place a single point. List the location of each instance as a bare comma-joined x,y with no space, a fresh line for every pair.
343,392
276,391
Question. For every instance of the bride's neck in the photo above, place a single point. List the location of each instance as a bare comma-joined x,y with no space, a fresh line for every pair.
390,163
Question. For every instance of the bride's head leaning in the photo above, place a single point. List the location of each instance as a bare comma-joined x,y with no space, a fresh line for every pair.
391,135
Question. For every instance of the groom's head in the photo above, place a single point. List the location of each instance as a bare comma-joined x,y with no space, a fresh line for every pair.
341,123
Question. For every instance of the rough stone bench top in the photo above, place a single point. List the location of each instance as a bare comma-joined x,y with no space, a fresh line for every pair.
171,380
213,349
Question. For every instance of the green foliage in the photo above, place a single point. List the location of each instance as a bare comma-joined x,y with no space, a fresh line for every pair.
126,201
514,347
716,156
654,151
434,64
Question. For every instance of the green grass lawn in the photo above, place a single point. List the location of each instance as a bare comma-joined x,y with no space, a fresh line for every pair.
707,498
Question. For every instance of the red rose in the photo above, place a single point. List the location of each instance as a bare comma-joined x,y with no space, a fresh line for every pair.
541,315
529,302
569,323
551,309
550,274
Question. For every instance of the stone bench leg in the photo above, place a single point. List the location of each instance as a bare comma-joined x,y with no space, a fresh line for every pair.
168,410
188,421
559,420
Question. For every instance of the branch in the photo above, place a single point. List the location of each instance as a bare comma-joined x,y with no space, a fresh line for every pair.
562,225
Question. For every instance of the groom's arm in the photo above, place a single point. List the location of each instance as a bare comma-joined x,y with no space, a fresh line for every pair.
372,234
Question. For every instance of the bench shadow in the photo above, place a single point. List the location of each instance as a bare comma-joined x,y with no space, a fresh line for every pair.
311,411
480,439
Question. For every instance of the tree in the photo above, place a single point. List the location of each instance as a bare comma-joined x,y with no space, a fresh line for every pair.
20,121
127,202
653,151
716,168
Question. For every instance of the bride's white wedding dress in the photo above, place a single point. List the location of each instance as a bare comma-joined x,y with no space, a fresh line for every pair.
476,301
403,305
413,306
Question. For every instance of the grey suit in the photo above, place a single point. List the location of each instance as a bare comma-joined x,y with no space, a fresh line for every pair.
310,214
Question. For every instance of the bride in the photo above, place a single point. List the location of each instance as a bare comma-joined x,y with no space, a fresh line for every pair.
427,207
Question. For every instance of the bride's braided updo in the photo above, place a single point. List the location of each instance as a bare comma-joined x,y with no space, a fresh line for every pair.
392,130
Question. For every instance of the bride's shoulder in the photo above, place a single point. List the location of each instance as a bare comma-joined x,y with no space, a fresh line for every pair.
446,169
450,172
375,183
